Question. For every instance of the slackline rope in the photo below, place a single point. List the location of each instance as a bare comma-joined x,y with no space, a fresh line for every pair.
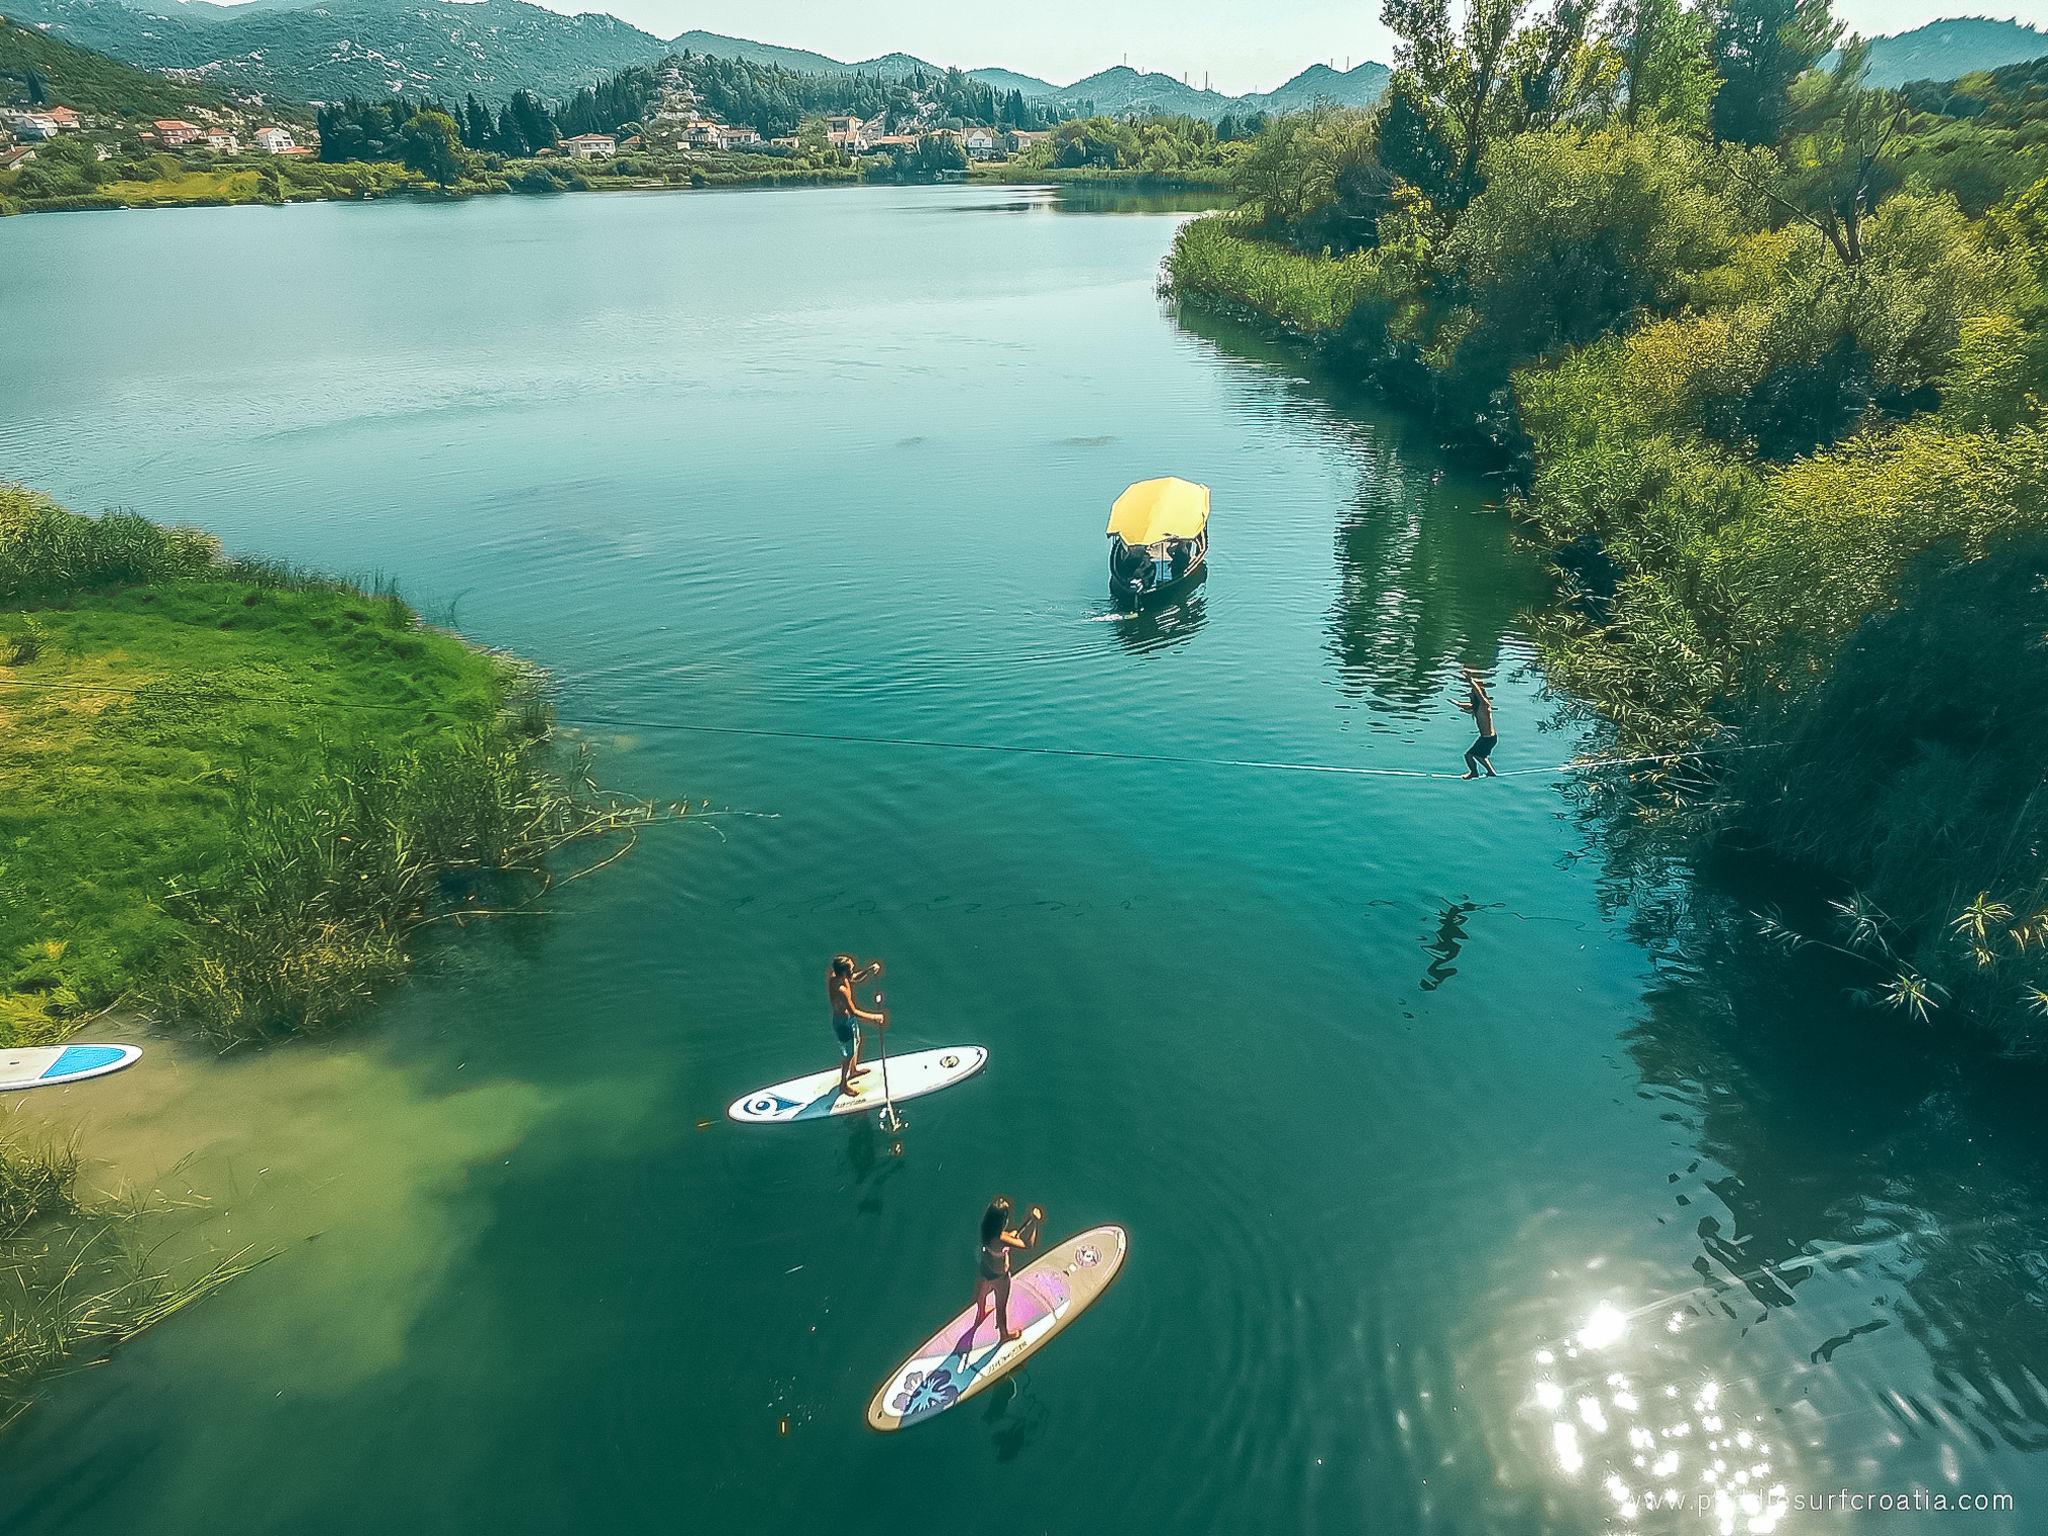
939,744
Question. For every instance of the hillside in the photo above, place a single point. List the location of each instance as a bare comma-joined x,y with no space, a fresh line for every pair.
1947,50
338,48
1319,83
91,82
1115,92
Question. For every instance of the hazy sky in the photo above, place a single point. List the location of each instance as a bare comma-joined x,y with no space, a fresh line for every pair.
1243,46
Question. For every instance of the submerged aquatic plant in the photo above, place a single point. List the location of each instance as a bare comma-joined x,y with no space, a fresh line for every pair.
74,1281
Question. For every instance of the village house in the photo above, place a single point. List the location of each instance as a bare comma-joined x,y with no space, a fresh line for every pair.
894,141
176,133
847,133
979,143
222,141
14,159
1017,140
590,146
66,120
738,136
274,140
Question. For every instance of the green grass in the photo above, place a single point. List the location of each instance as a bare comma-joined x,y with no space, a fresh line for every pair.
148,717
229,792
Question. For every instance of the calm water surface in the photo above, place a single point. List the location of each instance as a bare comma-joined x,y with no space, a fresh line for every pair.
1473,1183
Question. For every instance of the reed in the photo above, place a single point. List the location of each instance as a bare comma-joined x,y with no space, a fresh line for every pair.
1215,260
319,903
75,1278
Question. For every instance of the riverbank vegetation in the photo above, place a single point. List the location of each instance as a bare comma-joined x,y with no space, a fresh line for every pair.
1176,151
233,794
1762,353
75,1280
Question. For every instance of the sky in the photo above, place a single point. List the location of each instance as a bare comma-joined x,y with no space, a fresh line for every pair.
1240,45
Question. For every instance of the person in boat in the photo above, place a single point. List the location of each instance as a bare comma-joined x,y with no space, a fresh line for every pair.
848,1016
1480,708
998,1242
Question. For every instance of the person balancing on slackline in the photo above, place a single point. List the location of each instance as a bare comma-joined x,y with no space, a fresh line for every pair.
1480,708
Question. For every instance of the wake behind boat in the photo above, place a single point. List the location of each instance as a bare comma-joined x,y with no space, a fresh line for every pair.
817,1096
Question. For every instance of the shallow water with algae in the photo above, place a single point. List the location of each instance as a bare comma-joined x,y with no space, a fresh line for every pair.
1478,1173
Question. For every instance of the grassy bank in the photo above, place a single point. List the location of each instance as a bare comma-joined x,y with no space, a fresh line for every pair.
231,793
1781,416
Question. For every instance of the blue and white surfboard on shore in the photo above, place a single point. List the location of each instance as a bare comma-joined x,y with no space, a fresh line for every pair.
45,1066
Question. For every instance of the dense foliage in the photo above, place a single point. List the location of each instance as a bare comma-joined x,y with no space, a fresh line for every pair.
1765,349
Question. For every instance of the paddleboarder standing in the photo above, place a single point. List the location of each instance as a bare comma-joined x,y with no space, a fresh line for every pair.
848,1015
993,1274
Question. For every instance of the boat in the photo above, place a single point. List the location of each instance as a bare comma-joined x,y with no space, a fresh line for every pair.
1158,539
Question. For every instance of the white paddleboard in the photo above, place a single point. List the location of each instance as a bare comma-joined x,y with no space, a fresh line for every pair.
817,1096
964,1357
43,1066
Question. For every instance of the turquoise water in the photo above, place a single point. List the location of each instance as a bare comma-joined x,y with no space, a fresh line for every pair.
1465,1154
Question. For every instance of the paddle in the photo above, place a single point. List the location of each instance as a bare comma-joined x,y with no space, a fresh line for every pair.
890,1120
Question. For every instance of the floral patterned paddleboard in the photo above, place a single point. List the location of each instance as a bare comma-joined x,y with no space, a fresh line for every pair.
963,1357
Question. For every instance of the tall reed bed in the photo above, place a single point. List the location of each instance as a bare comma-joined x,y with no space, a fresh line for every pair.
326,891
1216,260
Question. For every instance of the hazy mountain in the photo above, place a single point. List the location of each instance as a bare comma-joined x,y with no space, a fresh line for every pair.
1359,87
337,48
1123,89
1010,80
331,48
1943,50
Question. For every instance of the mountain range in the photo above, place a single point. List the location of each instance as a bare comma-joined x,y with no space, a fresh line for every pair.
322,50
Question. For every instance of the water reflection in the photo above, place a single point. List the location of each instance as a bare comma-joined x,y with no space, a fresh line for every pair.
1430,573
1866,1201
1156,627
1425,583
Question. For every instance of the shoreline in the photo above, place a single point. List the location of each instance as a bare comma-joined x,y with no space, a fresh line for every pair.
1052,179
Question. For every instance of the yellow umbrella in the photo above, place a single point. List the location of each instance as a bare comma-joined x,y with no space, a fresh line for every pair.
1153,510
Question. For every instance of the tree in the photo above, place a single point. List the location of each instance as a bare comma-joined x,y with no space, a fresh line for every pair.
1760,48
1838,139
1504,70
1667,59
38,87
476,124
428,144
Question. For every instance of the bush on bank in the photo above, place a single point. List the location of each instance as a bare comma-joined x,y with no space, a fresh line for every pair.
1777,404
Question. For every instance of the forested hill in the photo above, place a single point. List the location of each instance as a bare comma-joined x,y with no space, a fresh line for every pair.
338,48
1947,50
36,69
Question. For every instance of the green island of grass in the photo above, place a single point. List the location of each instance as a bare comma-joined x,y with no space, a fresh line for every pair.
229,792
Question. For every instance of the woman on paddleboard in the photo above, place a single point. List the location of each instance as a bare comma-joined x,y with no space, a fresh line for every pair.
994,1274
848,1015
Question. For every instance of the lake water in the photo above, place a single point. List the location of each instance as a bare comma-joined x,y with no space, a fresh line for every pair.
1476,1178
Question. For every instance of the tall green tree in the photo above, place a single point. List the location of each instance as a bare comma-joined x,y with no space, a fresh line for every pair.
430,143
1760,48
1666,51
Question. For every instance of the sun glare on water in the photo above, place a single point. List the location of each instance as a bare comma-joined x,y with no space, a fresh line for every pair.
1668,1455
